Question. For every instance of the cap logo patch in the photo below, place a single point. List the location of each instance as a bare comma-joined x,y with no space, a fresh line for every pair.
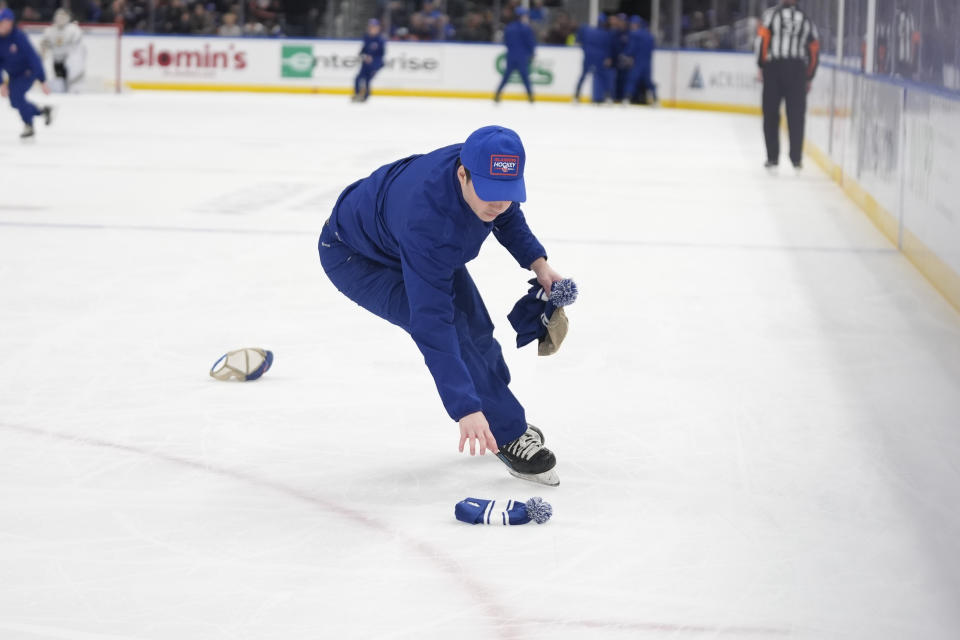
501,165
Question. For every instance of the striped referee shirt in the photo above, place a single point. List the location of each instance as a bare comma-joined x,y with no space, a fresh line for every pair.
908,36
786,33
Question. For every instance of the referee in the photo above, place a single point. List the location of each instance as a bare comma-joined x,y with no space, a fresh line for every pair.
787,55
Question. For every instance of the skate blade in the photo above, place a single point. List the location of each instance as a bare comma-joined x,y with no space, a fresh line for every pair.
549,478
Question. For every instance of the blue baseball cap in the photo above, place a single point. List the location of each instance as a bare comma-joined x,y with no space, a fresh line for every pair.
7,14
495,157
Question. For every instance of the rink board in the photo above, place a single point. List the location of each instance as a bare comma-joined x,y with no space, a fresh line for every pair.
720,81
892,147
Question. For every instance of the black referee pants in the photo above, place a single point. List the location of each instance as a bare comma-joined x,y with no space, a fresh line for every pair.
784,80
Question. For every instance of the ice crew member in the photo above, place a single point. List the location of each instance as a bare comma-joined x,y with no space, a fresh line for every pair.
597,45
397,244
521,43
23,67
787,52
639,51
620,34
371,58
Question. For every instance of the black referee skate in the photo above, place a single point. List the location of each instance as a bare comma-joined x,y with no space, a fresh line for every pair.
526,458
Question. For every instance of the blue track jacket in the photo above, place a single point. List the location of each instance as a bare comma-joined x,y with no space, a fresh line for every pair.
374,46
410,215
520,40
18,57
597,43
640,47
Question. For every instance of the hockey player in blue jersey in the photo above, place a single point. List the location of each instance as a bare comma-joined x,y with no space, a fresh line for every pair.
521,43
596,43
639,50
371,58
397,244
23,67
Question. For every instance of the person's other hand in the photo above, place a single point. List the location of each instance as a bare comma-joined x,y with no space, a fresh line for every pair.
474,427
546,276
760,76
4,91
45,88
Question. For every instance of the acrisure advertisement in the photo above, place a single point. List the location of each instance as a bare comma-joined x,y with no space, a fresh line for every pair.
713,78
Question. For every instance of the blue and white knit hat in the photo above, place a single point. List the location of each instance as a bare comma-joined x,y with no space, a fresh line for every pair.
511,512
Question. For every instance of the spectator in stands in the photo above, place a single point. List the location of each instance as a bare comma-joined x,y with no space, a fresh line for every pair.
419,28
397,15
300,17
539,14
230,26
561,30
182,24
167,16
254,28
201,22
265,14
30,14
115,13
430,23
477,27
91,12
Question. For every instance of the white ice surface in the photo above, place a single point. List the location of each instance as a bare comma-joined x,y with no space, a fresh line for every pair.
756,412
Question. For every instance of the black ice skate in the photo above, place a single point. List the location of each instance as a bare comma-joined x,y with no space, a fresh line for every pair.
47,115
27,132
526,458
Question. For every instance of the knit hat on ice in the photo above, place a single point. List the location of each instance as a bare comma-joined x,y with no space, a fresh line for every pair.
480,511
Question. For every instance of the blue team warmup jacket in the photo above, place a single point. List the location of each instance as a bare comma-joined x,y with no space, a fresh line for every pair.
597,43
520,40
410,215
640,47
18,57
374,47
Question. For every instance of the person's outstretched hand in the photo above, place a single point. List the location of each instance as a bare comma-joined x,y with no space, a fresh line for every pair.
474,427
546,276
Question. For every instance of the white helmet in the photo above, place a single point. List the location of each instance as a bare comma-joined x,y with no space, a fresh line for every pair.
61,17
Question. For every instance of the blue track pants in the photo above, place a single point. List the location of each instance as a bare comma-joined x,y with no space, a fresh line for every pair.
380,290
18,98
